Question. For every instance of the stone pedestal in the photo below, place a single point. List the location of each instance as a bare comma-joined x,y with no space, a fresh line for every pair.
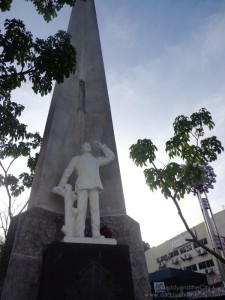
85,271
37,228
89,240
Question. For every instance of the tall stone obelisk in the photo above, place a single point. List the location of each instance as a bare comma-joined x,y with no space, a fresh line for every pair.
79,112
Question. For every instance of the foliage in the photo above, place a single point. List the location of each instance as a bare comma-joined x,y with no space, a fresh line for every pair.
47,8
15,142
146,246
40,61
175,178
188,145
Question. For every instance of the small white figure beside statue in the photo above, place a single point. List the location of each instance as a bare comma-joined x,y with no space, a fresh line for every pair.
87,188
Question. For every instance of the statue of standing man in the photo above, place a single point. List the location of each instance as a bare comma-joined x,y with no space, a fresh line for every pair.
88,185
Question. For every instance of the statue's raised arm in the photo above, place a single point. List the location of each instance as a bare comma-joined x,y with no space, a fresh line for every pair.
109,155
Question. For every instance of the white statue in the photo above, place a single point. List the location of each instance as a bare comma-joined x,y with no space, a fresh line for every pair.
88,185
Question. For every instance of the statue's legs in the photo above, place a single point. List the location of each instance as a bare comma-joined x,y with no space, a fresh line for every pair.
82,202
95,214
82,210
69,228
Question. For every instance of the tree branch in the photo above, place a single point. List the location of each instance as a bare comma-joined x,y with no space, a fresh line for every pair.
220,258
11,164
23,207
4,226
7,191
21,73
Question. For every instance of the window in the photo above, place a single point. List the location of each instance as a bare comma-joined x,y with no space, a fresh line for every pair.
185,249
173,254
203,241
191,268
162,258
206,264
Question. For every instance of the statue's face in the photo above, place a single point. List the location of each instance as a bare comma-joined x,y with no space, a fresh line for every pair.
86,147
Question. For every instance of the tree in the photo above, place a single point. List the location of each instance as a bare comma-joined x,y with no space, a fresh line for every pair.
15,142
22,59
146,246
188,145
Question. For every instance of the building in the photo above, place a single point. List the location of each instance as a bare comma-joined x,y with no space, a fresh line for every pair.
180,254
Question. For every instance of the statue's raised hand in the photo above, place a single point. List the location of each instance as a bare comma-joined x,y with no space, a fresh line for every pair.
98,145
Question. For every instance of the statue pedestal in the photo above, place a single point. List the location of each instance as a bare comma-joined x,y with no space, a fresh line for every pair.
89,240
33,231
86,271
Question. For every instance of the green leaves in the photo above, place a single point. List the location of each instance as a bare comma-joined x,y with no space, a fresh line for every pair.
211,147
13,184
48,8
5,5
188,144
184,125
173,179
143,152
10,127
27,179
40,61
55,60
201,118
193,128
15,142
15,41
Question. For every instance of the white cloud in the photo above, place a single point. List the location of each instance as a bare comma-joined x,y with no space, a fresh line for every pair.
213,41
147,95
121,25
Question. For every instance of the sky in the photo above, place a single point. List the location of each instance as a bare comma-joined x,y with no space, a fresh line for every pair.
162,58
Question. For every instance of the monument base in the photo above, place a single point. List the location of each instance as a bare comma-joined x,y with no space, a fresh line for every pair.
28,238
85,271
89,240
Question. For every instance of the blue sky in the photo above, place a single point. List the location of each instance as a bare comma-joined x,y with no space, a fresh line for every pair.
162,58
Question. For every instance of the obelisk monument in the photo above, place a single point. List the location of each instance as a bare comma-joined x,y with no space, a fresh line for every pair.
80,112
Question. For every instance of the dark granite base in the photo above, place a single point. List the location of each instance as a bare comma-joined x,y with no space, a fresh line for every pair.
81,271
38,228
